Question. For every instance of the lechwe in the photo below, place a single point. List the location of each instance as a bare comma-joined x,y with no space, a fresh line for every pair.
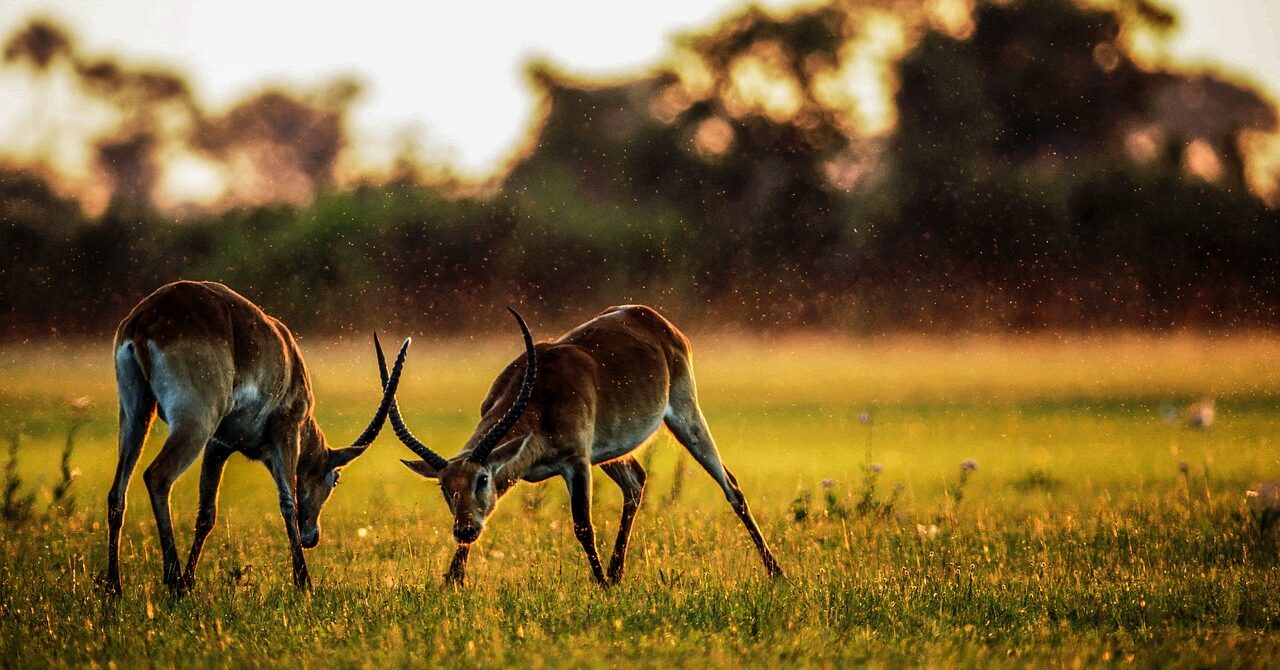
601,391
227,378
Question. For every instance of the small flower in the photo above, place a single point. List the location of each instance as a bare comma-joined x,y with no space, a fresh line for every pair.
968,465
875,468
864,417
927,532
1184,467
362,532
828,483
81,403
496,555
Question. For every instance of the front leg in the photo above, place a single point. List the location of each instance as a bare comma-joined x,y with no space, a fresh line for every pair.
578,480
283,465
457,573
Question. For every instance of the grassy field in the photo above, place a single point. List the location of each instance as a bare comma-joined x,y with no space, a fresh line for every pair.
1096,529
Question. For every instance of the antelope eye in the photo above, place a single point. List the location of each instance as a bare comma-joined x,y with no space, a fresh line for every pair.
336,477
482,481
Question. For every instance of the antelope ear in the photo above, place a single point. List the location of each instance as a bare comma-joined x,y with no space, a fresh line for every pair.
341,457
421,467
507,450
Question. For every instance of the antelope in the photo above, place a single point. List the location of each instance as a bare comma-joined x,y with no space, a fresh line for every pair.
226,378
603,389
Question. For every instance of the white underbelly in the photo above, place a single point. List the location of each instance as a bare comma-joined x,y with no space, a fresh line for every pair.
607,448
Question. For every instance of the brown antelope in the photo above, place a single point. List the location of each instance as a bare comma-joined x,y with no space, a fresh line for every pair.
226,377
602,390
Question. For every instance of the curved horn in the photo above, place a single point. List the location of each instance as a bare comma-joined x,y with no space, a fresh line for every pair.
397,422
388,401
499,430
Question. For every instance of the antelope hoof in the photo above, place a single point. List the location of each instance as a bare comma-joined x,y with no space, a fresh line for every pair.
456,580
109,584
175,583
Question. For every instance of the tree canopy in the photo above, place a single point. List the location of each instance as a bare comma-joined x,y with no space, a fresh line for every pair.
1037,176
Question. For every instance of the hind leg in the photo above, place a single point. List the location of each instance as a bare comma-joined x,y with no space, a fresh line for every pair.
187,438
215,458
137,411
684,418
136,416
629,475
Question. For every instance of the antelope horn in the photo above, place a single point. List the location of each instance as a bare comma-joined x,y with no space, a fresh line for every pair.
388,401
499,430
397,422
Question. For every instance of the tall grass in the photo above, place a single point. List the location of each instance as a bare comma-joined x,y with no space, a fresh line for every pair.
1093,531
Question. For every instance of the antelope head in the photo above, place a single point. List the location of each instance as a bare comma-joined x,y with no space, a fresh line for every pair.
318,475
472,481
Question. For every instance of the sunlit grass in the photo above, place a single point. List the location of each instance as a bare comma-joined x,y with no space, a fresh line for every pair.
1078,538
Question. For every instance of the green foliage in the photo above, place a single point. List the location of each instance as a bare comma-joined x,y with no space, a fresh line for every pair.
1005,198
869,502
18,509
15,507
800,506
1037,479
966,472
1132,559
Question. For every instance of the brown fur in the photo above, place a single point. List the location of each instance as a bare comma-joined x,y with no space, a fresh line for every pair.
227,378
602,390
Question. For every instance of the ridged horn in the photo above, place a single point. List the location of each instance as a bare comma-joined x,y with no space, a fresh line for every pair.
397,422
388,398
499,430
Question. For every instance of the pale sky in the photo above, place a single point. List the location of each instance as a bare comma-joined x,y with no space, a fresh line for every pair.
453,71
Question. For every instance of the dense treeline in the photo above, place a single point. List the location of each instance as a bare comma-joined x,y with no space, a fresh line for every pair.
1037,177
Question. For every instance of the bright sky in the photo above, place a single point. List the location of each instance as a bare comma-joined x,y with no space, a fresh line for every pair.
452,71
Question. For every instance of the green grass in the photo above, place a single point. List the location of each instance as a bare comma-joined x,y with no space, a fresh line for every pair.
1077,541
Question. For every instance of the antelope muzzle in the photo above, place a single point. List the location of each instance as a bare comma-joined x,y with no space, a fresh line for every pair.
466,534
